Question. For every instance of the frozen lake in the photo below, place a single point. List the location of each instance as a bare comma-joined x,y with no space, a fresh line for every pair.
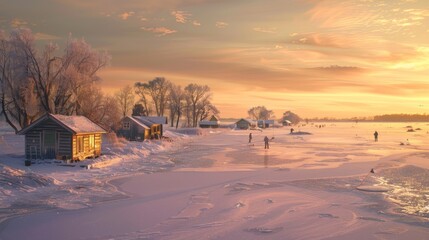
217,186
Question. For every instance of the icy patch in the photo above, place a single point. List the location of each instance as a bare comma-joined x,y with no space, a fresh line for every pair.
264,230
327,215
372,188
410,189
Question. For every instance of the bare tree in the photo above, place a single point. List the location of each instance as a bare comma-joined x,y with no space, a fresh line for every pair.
125,98
158,90
260,113
195,95
176,103
141,89
35,82
206,109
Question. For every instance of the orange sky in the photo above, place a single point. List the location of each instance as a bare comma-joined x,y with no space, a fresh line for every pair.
338,58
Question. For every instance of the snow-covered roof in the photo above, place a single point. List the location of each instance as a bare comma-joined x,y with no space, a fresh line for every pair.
266,121
79,124
250,121
144,120
209,123
75,124
138,122
154,119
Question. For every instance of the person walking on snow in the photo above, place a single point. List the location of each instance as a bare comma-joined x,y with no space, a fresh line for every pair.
266,140
376,136
250,137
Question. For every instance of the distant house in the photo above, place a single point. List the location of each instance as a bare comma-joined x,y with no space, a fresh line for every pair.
286,123
213,122
139,128
265,123
62,137
245,124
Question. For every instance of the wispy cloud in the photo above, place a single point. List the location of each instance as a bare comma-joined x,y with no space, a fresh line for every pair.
181,16
323,40
265,30
221,24
160,31
196,23
126,15
44,36
336,69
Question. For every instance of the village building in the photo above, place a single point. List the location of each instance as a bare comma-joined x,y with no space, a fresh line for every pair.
286,123
213,122
139,128
245,124
265,123
62,137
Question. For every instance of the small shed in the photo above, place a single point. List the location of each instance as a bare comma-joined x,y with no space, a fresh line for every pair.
213,122
139,128
62,137
265,123
133,130
286,123
245,124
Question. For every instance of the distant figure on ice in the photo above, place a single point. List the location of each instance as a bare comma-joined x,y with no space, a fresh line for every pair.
291,130
266,140
376,136
250,137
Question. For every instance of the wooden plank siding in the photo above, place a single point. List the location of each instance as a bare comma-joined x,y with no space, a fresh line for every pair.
134,131
35,137
89,149
33,145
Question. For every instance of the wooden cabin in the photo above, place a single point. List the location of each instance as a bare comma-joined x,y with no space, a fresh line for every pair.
139,128
213,122
62,137
133,130
245,124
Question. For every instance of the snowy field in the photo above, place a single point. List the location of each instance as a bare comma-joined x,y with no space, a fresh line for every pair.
212,184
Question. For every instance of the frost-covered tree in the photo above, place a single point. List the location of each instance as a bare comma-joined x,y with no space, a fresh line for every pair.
260,113
290,116
141,89
196,96
176,102
35,81
125,98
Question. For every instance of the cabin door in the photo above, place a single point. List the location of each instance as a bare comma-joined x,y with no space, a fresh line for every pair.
49,144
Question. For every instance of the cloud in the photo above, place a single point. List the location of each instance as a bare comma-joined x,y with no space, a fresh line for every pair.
16,23
221,24
160,31
143,19
196,23
181,16
44,36
265,30
336,69
323,40
125,15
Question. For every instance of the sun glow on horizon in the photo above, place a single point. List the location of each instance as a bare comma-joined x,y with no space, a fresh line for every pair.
339,58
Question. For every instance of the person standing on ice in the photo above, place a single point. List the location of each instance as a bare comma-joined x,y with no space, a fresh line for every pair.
250,137
376,136
266,140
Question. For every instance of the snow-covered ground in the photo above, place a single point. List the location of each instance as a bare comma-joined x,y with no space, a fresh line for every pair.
212,184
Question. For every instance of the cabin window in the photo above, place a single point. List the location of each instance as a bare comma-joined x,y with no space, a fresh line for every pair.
126,125
80,144
91,141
